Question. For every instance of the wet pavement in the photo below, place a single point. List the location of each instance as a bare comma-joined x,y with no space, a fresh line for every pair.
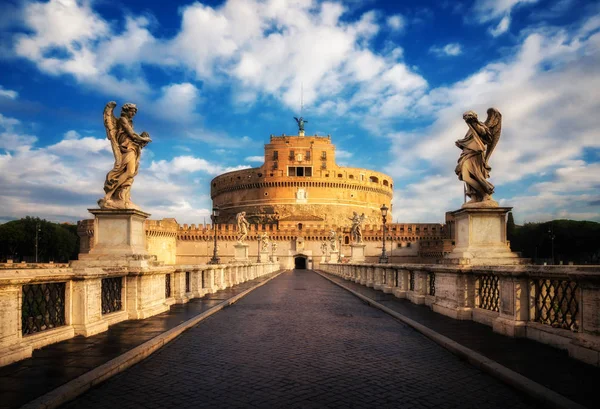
56,364
300,341
539,362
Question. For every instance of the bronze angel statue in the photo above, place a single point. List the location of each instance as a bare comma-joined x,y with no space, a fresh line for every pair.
127,148
473,164
300,121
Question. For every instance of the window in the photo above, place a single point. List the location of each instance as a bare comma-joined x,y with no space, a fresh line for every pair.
340,175
292,156
351,177
307,157
302,171
275,166
385,183
275,155
362,177
299,226
323,155
373,179
324,165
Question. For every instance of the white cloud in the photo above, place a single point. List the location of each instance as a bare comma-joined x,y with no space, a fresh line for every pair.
8,93
452,50
545,93
189,164
178,102
494,10
259,159
396,22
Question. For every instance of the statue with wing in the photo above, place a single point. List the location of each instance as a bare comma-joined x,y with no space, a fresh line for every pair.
300,121
473,164
127,148
356,229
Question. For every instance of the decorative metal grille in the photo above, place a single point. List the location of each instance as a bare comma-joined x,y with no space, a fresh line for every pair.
43,307
111,294
384,277
167,285
411,280
187,282
431,278
556,303
488,292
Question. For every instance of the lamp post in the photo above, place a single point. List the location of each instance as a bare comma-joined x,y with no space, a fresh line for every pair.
215,217
383,259
552,236
37,231
340,247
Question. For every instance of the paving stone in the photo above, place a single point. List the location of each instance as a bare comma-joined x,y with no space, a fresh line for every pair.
316,348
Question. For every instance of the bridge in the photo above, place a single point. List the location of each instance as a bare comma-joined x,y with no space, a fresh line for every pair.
344,336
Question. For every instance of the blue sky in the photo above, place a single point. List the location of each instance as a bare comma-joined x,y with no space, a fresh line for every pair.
212,80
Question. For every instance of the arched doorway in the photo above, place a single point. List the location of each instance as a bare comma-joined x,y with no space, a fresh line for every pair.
300,262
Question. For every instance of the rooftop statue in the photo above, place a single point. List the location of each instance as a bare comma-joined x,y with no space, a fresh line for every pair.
301,123
356,229
243,225
127,149
473,164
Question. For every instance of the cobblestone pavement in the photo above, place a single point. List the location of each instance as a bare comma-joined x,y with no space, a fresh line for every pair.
301,342
56,364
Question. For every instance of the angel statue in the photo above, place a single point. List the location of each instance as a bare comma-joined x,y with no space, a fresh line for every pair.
324,247
356,230
301,123
243,225
127,148
333,240
264,243
473,164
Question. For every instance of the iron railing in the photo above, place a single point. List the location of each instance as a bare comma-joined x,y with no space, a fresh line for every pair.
111,294
43,307
431,282
167,285
556,303
411,280
488,292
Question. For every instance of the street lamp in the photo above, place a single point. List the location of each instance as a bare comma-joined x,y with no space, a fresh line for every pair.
37,231
552,236
340,247
215,217
383,259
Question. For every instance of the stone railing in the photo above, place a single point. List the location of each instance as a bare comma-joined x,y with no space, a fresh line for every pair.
43,306
556,305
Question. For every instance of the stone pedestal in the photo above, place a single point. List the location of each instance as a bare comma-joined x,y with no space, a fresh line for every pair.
263,257
334,257
323,258
481,238
357,252
241,252
118,232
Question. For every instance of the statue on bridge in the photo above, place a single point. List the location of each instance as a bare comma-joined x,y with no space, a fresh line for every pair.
356,229
473,164
127,149
264,242
242,225
333,240
324,248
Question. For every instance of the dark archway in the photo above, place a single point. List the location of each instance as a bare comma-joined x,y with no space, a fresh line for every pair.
300,263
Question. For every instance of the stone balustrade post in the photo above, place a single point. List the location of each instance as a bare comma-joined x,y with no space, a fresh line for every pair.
417,295
403,283
389,280
378,277
513,305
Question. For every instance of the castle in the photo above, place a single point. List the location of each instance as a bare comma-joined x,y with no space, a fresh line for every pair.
298,196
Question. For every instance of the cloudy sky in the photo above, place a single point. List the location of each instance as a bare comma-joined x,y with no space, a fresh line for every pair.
212,80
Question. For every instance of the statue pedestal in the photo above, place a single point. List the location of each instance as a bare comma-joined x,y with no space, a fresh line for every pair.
481,238
263,257
118,233
241,252
323,258
334,257
357,253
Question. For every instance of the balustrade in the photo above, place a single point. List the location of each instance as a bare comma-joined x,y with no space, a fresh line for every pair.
557,305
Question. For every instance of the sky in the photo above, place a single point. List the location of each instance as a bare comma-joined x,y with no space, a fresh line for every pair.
389,81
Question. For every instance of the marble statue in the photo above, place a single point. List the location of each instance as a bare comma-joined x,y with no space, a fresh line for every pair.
264,242
473,164
356,229
274,246
127,149
243,225
324,247
333,240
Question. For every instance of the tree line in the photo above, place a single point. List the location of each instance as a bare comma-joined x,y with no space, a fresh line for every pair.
56,242
555,241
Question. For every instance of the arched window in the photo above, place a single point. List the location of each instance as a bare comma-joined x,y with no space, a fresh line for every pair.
346,240
373,179
385,183
299,226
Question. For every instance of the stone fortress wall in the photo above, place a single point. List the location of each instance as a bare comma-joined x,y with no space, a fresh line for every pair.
300,178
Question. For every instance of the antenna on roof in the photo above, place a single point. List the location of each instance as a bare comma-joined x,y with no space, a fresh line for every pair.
301,98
